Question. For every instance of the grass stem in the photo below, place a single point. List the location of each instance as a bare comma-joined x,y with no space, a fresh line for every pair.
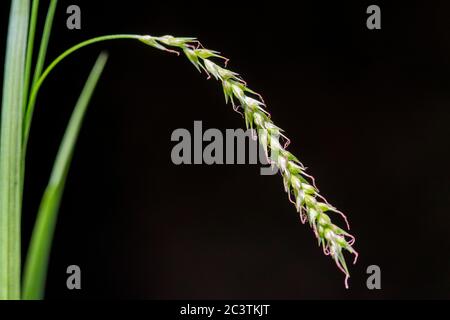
40,81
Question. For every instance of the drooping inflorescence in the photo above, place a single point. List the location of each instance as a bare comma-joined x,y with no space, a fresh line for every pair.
300,187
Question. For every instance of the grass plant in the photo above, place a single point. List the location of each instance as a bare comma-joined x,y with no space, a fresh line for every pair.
19,97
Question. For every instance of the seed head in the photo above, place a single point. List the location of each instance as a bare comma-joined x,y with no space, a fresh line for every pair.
300,186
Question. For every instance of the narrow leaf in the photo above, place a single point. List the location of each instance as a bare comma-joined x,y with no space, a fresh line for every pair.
11,150
40,245
44,41
30,47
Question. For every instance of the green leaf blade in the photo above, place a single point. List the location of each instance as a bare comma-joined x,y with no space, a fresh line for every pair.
11,150
30,47
45,40
38,254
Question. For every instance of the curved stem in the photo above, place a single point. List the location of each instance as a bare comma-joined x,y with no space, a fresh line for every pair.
39,82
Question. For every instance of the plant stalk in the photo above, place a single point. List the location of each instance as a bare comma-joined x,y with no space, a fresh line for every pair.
37,85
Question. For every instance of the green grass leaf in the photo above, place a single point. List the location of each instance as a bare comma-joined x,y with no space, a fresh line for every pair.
30,47
31,99
38,255
44,41
11,149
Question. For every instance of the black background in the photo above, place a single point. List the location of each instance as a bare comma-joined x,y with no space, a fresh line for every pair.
367,112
